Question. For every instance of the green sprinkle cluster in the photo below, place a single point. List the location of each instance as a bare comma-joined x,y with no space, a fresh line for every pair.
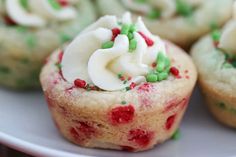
161,71
55,5
123,102
183,8
129,31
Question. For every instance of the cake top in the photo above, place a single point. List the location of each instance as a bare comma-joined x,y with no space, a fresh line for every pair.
115,54
37,13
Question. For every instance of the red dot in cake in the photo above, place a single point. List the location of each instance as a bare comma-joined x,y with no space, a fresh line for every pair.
127,148
145,87
170,121
75,135
86,129
122,114
140,137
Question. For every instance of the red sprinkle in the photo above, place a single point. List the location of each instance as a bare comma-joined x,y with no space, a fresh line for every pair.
129,78
146,87
148,40
154,64
174,71
122,114
122,78
9,21
141,137
80,83
132,85
170,121
216,43
63,3
60,55
115,33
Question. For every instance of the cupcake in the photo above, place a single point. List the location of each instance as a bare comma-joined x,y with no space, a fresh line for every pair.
180,21
118,86
215,58
30,30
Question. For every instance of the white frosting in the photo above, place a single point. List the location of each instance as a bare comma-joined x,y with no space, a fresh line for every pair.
84,58
40,11
167,7
228,36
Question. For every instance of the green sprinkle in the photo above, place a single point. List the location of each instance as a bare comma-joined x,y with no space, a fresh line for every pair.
132,28
162,76
132,45
65,37
154,14
55,5
31,40
167,64
58,65
24,4
127,88
140,1
125,82
125,29
234,64
4,70
123,102
21,29
130,36
119,75
183,8
227,65
151,77
107,45
160,66
216,35
176,135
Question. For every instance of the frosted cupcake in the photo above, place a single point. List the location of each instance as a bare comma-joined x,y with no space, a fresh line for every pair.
215,57
30,30
118,86
187,19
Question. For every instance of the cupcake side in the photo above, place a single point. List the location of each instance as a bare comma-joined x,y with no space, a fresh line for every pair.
215,58
125,102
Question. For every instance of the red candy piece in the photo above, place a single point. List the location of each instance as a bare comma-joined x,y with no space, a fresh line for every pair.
115,33
86,129
122,114
80,83
75,134
141,137
170,121
174,71
154,64
63,3
127,148
132,85
148,40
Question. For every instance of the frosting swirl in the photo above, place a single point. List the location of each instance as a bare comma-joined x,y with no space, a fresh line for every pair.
110,49
37,13
228,36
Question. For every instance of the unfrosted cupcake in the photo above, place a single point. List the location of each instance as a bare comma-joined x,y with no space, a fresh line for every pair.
180,21
30,30
215,58
118,86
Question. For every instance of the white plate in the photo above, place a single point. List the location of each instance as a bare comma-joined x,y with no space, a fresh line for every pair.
26,125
